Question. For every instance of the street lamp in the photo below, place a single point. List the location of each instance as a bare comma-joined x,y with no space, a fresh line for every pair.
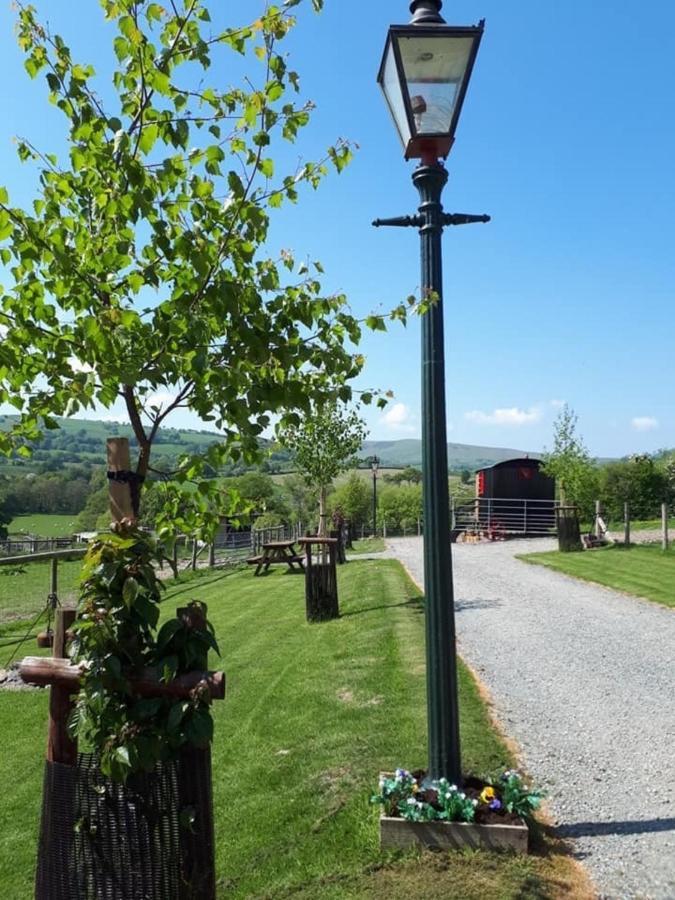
424,75
374,465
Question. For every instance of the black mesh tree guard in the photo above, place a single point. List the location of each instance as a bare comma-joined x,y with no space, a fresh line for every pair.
148,839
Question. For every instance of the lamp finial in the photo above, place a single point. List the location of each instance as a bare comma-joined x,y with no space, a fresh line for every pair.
427,12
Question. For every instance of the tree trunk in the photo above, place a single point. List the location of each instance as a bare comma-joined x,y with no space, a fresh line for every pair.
323,531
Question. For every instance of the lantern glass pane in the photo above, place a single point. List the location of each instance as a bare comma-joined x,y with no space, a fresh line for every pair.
435,68
393,91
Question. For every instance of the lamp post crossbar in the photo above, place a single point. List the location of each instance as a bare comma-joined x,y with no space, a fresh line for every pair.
420,222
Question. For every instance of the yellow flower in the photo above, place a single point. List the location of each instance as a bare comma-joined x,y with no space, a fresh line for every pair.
487,794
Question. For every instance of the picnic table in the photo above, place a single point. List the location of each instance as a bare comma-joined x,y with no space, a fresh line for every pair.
276,553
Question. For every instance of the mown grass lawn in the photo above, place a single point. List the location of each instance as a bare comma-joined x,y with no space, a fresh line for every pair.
312,715
644,570
368,545
44,526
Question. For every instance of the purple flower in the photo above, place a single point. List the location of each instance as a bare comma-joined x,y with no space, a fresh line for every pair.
495,804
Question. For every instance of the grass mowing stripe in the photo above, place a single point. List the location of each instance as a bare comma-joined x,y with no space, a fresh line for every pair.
644,570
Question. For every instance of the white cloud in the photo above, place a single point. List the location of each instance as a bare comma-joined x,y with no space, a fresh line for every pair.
644,423
557,404
398,414
399,418
510,416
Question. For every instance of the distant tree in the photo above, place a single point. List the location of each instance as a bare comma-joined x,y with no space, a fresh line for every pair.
300,498
5,514
260,494
409,475
325,445
669,474
354,497
399,506
570,464
636,481
465,476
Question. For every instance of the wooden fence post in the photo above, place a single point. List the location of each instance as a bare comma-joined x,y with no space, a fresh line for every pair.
626,524
212,555
664,525
194,554
60,747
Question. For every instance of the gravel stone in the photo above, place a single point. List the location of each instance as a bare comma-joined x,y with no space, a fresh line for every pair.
582,678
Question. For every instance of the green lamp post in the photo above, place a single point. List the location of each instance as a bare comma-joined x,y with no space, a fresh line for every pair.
424,75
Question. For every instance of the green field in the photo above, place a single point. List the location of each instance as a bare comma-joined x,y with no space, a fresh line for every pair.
644,570
312,715
23,590
44,526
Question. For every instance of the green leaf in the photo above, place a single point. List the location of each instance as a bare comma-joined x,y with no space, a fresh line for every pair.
267,167
130,591
148,137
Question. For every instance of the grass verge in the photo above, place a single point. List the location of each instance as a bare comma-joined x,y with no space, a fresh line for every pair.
312,715
644,570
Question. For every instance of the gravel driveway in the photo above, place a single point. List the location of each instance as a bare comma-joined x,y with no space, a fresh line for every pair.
583,679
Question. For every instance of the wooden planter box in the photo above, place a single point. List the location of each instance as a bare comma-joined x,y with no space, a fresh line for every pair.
397,834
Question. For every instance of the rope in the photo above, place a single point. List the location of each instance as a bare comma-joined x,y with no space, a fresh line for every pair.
26,636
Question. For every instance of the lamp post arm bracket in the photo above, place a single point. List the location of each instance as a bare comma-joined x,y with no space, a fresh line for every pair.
463,219
401,222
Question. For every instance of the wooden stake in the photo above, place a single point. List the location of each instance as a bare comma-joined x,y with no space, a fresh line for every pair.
60,747
664,525
121,506
626,524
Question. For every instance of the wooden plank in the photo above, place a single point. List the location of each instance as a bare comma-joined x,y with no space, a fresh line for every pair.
44,671
42,557
396,834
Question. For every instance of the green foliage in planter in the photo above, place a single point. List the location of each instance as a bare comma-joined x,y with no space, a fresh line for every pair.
116,638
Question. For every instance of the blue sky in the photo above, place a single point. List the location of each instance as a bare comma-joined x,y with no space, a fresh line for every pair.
567,139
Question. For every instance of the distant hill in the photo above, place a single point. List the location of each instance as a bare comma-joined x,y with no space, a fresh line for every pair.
82,442
460,456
